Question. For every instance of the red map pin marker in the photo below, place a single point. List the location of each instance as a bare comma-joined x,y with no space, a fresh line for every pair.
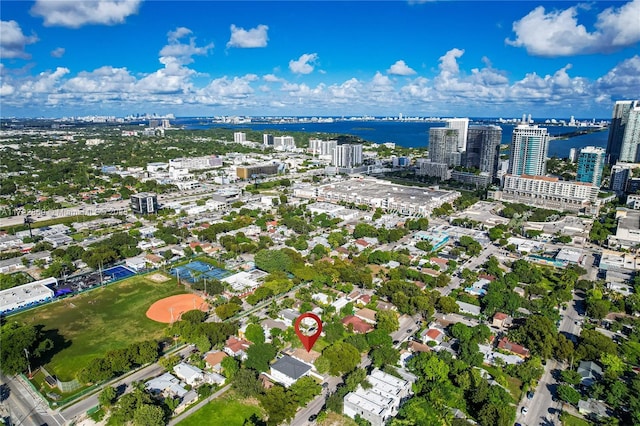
308,340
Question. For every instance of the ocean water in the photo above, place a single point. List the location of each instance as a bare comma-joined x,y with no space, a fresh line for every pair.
407,134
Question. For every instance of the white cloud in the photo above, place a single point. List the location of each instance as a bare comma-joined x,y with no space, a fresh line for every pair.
272,78
558,33
304,64
255,37
6,89
623,80
181,53
77,13
58,52
13,41
400,68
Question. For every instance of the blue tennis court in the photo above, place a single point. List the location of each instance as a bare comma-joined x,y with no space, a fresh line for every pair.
118,272
198,271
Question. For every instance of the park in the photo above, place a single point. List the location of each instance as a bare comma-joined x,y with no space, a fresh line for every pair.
88,325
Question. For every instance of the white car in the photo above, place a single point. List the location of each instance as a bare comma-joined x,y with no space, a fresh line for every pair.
525,410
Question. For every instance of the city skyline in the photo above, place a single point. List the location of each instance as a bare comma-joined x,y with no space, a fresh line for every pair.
552,59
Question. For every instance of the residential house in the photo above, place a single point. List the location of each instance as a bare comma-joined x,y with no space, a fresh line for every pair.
214,360
166,385
366,314
289,316
190,374
137,263
432,335
468,308
386,306
590,373
502,320
519,350
359,325
269,324
236,347
288,370
188,399
154,260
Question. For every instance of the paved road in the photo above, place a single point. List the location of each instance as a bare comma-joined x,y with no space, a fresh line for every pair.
542,410
487,252
408,326
81,407
24,407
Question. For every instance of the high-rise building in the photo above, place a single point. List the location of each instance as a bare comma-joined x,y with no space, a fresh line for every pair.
320,147
621,111
631,138
483,148
529,146
239,137
347,155
462,126
284,143
144,203
267,139
620,174
443,144
590,165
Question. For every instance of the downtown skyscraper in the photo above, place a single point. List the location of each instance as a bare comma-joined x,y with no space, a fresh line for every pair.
529,147
622,146
443,146
591,162
483,148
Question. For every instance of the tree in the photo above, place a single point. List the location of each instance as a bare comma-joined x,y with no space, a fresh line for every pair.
259,355
15,338
273,260
342,357
194,316
255,333
387,321
230,366
107,396
278,405
227,310
304,390
246,383
571,377
384,355
148,415
447,305
568,394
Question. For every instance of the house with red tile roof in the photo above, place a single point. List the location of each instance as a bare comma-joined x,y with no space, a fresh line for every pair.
214,360
359,325
500,320
514,348
237,347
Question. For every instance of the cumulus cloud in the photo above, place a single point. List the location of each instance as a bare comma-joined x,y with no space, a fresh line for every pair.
77,13
558,33
272,78
254,37
400,68
58,52
178,52
13,41
304,64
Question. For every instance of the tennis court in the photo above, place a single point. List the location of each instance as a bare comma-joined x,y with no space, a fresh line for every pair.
198,271
117,273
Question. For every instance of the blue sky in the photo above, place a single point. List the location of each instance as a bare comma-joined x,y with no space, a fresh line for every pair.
431,58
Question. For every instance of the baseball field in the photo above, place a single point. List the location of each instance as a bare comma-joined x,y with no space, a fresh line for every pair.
100,320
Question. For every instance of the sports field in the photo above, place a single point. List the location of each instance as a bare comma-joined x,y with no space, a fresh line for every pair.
107,318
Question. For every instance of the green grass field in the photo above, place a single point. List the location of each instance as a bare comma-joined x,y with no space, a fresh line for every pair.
222,412
569,420
88,325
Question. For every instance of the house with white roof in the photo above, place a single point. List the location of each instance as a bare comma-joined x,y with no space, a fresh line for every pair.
382,401
190,374
167,385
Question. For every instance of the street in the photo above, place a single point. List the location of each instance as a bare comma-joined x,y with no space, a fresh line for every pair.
24,407
541,408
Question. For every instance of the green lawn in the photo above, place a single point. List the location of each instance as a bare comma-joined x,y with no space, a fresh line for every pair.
569,420
222,412
88,325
